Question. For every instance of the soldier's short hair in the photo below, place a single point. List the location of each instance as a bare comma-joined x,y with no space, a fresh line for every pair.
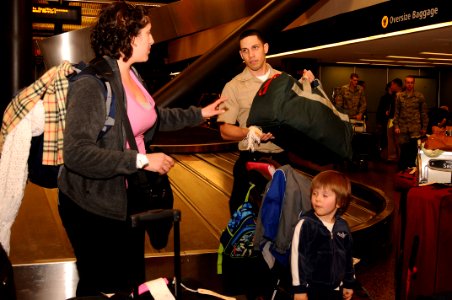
397,81
252,32
411,76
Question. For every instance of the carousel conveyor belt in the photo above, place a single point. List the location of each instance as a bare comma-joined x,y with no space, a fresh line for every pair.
202,183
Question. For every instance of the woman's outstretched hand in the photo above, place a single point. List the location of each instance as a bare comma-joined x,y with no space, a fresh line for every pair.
213,109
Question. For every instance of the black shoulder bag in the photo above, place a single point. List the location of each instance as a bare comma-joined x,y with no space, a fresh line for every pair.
148,190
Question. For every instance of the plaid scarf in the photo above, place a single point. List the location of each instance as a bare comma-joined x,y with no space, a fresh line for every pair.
52,88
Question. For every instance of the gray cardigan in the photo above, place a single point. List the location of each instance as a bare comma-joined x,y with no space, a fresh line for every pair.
94,170
294,199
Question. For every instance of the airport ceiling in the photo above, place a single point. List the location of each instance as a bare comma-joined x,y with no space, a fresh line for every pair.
428,48
424,48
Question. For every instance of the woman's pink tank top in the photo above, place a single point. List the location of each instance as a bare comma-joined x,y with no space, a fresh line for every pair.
141,118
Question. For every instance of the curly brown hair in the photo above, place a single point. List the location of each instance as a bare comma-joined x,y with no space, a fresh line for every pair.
118,23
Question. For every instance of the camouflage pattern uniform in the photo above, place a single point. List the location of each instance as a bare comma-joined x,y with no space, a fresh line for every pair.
411,118
410,115
353,101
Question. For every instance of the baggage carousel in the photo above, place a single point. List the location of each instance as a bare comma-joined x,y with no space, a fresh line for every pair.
202,181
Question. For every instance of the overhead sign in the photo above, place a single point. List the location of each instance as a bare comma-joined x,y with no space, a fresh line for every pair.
57,14
383,18
415,15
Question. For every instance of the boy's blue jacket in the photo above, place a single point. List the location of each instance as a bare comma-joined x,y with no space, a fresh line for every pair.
320,258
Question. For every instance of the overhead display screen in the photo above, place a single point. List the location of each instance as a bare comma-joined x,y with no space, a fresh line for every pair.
57,14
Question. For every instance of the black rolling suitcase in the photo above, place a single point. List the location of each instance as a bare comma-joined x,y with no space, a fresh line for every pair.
142,219
143,292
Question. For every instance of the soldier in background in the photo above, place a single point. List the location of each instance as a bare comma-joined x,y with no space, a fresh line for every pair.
410,122
352,99
385,117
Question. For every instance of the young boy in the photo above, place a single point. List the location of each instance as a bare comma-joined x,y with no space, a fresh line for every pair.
321,261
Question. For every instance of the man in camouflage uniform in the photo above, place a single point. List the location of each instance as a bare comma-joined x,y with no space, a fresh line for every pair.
410,122
351,98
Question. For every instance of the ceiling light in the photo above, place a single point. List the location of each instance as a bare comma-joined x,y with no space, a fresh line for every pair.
404,57
418,66
412,62
388,65
364,39
441,59
436,53
376,60
351,63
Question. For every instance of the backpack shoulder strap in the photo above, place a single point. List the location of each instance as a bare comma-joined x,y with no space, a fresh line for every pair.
99,70
252,185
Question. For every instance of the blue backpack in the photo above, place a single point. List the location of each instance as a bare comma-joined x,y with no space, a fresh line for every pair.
236,241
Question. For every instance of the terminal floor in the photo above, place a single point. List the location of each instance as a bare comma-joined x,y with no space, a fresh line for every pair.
44,263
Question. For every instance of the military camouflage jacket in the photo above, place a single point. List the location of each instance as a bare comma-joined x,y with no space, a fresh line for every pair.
352,101
410,114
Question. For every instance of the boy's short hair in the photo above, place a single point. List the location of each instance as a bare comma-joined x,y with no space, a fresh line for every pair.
338,183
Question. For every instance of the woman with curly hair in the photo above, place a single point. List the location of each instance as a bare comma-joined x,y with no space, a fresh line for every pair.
94,199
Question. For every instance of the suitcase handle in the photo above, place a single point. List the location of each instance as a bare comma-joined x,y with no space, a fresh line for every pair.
160,214
155,215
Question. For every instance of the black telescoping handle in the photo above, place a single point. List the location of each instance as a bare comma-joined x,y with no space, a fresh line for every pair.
177,258
155,215
160,214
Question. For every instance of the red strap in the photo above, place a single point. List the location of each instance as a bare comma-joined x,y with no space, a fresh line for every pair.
264,88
